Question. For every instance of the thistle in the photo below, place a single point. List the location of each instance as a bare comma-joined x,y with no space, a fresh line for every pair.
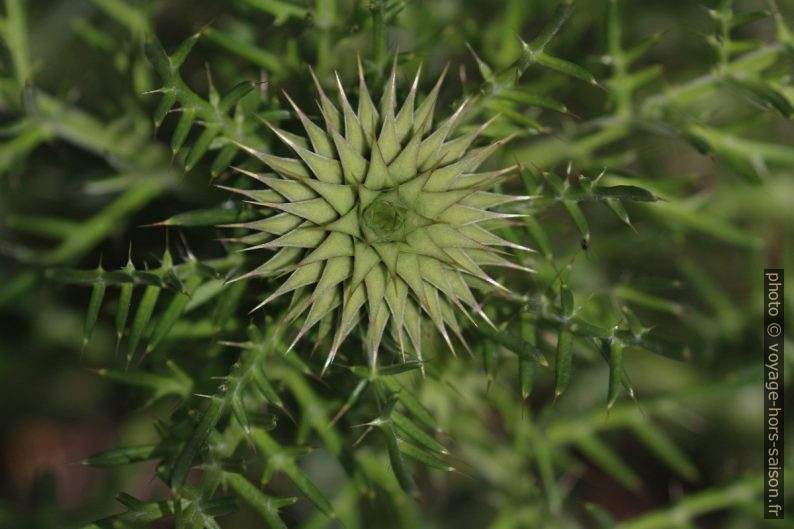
380,217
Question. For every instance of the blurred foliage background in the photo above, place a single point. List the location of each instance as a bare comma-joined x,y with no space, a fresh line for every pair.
688,103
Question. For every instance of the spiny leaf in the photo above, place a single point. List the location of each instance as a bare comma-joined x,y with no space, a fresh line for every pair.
202,217
666,450
141,319
97,295
411,403
126,455
609,461
518,346
179,384
266,506
615,370
423,457
186,118
172,313
625,192
565,67
395,458
200,147
186,457
526,374
526,97
579,219
405,426
125,300
246,50
298,478
562,366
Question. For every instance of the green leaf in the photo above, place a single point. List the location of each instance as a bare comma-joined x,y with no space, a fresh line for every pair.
239,413
234,95
634,324
617,208
110,219
526,375
520,118
128,454
396,369
539,235
748,16
485,71
125,14
615,372
95,303
518,346
184,49
408,428
395,458
91,277
266,506
580,327
565,67
661,445
687,214
282,11
655,344
625,192
186,457
610,462
138,512
41,225
227,304
488,363
159,59
203,217
423,457
629,294
179,384
266,388
600,516
641,48
172,313
187,117
125,300
199,148
256,55
562,366
297,476
223,160
578,218
411,403
141,319
561,14
523,96
351,399
566,300
20,146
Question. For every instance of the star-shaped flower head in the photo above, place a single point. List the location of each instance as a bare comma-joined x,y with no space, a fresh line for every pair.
381,217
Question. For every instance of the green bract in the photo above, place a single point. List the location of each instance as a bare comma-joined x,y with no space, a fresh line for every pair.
381,216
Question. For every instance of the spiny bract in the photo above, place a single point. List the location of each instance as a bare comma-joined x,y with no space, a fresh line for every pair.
389,219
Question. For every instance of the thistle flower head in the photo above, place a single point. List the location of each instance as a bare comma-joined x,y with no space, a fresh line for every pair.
381,218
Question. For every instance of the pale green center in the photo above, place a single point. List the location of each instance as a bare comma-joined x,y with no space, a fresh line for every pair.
386,218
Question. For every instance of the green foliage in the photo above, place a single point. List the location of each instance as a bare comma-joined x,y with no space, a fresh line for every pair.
635,324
